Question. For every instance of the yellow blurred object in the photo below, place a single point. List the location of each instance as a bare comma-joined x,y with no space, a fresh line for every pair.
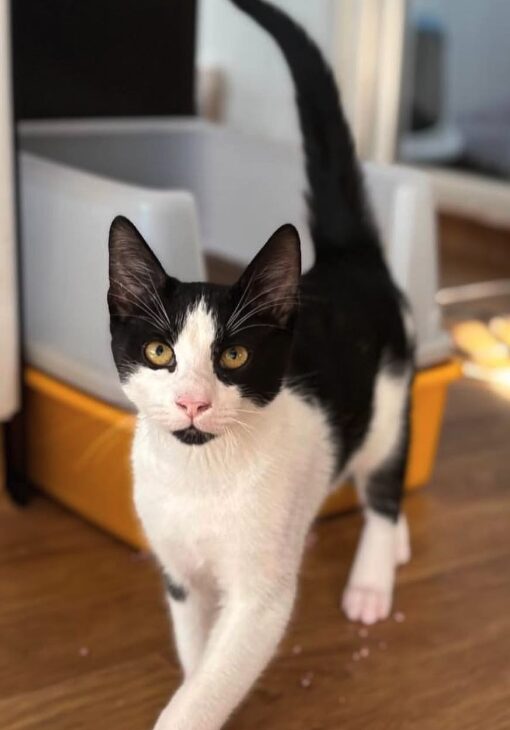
477,342
500,328
78,448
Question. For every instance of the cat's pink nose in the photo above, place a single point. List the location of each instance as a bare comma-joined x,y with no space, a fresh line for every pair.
193,407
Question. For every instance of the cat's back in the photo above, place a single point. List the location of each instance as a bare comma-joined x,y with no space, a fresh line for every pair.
352,310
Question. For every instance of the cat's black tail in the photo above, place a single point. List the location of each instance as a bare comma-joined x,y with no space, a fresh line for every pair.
339,213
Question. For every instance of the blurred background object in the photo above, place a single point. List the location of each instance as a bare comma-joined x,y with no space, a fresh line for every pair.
456,105
459,89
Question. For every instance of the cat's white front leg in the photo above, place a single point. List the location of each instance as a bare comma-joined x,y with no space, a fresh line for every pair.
384,545
192,617
241,644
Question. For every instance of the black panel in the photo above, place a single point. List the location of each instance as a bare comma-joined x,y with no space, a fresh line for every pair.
90,58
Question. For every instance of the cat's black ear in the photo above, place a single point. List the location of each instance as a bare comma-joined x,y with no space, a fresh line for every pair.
270,285
135,272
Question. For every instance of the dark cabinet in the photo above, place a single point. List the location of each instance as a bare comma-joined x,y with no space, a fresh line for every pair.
97,58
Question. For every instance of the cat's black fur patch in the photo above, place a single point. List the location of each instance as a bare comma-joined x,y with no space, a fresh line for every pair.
385,487
175,591
193,437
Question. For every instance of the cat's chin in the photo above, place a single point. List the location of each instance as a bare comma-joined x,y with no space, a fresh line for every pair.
191,436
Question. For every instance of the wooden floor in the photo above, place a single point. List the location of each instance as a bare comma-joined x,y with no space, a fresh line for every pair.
84,638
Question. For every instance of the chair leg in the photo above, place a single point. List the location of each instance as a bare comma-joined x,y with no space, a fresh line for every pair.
3,464
13,446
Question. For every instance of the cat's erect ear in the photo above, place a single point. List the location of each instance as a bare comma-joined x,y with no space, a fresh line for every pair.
135,272
270,285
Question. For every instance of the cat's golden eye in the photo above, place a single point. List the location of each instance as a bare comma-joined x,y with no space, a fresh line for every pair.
234,357
159,354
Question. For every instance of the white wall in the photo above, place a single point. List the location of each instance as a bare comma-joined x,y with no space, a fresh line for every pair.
259,91
479,33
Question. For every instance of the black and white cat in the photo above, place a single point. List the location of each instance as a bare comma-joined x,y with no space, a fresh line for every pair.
255,401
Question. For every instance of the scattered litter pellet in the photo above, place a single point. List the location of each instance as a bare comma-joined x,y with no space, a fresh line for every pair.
383,645
356,656
399,617
364,652
363,633
84,651
297,649
306,680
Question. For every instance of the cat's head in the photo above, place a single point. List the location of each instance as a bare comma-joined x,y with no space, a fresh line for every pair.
198,359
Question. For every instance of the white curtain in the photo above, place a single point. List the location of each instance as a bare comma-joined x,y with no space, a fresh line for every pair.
9,376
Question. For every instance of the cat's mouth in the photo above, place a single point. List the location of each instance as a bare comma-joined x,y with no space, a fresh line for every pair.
193,437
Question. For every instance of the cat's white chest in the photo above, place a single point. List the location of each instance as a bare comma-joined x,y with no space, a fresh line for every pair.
204,510
181,523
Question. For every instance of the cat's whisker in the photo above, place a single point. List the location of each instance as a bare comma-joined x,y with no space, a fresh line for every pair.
263,307
238,311
247,428
161,315
144,269
265,325
269,304
244,294
251,411
126,299
131,297
230,443
265,292
290,379
138,317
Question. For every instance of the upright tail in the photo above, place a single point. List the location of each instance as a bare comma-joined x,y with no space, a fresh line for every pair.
339,213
